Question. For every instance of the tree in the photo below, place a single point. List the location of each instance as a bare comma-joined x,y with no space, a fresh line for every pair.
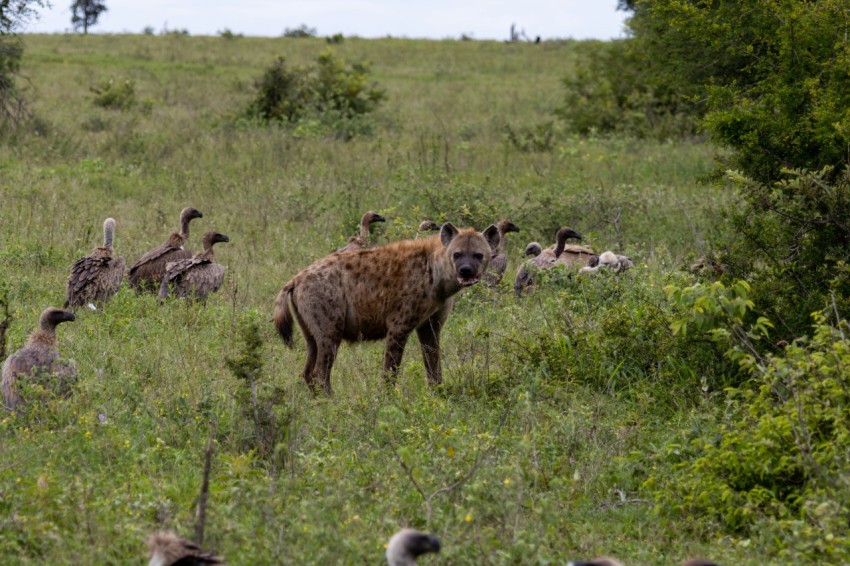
771,81
14,14
85,13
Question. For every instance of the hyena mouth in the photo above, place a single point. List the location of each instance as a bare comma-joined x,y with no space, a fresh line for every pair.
467,281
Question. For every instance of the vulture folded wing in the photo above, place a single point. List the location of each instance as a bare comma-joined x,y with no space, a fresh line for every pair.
205,279
24,363
175,275
156,254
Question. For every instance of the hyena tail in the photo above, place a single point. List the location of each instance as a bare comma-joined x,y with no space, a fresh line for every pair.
283,313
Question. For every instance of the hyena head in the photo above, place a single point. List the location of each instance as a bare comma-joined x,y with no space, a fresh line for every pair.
469,251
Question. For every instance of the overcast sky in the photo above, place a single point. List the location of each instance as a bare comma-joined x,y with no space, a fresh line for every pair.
436,19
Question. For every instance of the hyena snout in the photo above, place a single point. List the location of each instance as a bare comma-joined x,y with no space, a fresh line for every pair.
469,269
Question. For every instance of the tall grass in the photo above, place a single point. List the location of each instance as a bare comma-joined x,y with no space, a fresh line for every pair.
524,455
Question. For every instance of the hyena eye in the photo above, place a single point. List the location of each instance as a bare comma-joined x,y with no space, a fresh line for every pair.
456,255
479,257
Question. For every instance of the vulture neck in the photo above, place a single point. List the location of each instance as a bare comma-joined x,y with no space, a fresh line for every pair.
108,234
44,337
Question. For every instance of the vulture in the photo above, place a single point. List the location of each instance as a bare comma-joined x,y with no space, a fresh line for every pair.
38,357
96,277
499,260
362,239
198,276
533,248
575,254
543,258
615,262
146,274
429,226
167,549
408,544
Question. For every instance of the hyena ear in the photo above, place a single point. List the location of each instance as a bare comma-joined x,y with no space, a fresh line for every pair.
491,234
448,233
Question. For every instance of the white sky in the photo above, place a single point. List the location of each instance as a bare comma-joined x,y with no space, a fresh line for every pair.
436,19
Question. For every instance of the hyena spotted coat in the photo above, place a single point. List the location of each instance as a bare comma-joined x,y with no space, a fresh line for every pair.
385,292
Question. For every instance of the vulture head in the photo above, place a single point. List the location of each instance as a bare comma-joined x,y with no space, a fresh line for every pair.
212,237
429,226
534,248
506,226
50,317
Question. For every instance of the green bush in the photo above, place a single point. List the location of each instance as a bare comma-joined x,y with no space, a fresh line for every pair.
115,94
301,32
611,92
775,463
328,95
791,239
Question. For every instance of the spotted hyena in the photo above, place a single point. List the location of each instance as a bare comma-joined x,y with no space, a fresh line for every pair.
385,292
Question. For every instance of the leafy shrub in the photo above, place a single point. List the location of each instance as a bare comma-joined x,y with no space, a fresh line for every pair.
615,335
329,94
11,103
336,38
540,138
260,402
790,240
302,31
610,92
227,34
776,462
115,94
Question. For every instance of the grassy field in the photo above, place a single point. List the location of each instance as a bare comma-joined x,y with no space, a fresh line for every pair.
534,450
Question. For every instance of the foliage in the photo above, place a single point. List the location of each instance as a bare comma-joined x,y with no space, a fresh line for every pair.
335,39
721,312
792,240
620,333
301,32
609,91
536,138
775,464
226,33
14,15
115,94
773,74
86,13
771,82
334,95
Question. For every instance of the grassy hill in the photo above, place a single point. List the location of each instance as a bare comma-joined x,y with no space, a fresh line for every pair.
536,447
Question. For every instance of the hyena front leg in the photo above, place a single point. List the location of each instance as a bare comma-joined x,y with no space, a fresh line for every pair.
429,340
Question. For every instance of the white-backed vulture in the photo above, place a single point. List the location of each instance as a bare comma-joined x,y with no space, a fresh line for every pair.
39,356
146,274
544,259
362,239
96,277
168,549
609,260
428,226
708,265
408,544
499,261
533,248
198,276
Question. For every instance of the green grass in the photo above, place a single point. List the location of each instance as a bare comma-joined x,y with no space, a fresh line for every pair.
531,450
